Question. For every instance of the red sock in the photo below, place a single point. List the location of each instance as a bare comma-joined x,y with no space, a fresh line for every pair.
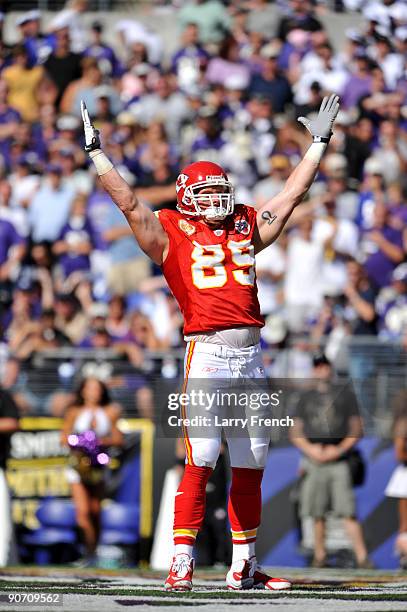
190,504
244,507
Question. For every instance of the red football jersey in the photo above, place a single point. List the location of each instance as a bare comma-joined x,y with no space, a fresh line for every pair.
211,272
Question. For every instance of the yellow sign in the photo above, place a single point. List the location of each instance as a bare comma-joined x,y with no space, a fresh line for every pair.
36,468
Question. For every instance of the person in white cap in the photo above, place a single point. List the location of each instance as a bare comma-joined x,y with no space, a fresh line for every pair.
71,17
38,47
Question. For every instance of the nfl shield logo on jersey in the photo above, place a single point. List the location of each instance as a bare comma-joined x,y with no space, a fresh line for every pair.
242,227
186,227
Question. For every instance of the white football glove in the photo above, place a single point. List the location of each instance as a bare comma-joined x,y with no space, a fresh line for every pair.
92,139
321,126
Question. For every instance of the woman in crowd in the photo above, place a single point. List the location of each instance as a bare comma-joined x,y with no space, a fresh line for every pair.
94,412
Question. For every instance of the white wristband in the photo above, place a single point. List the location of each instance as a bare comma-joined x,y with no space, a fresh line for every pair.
102,163
315,152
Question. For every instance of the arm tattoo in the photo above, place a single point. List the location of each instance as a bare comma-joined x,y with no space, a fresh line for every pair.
267,216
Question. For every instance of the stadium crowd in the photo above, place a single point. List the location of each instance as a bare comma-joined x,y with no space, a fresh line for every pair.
71,273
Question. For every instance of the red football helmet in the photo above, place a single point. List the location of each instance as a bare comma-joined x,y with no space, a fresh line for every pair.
198,177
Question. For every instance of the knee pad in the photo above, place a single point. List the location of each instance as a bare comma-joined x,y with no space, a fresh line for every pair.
205,451
246,453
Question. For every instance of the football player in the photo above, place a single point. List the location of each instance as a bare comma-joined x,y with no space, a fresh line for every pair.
207,249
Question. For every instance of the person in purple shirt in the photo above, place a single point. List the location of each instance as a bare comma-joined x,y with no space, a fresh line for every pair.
12,250
107,60
208,144
271,83
188,62
392,305
383,247
97,336
9,119
99,207
37,45
75,241
359,82
397,203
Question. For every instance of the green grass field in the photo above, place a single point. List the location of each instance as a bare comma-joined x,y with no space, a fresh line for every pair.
105,590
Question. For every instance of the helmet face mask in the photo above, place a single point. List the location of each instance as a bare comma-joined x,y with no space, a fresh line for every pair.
204,190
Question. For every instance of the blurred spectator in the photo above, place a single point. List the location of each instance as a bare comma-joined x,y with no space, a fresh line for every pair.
357,146
380,103
391,63
25,85
49,208
303,280
76,179
8,425
319,66
69,317
17,215
116,321
72,18
67,137
190,59
261,18
31,395
227,64
9,118
83,88
270,186
140,40
300,16
239,26
270,270
91,411
62,65
372,190
164,101
23,184
340,237
359,81
105,55
209,142
397,486
382,247
37,46
37,336
12,250
210,16
361,314
75,241
97,335
270,83
360,295
327,427
391,305
129,266
391,151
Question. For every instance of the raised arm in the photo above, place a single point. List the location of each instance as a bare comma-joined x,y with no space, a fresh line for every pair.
274,214
145,226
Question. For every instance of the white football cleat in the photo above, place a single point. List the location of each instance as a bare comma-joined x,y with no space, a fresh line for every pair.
240,575
263,581
180,575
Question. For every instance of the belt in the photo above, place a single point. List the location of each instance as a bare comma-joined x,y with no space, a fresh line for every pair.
225,351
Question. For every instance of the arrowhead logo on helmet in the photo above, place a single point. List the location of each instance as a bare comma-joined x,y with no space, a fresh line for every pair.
204,190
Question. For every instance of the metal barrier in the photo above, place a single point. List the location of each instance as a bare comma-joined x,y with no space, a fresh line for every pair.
377,369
